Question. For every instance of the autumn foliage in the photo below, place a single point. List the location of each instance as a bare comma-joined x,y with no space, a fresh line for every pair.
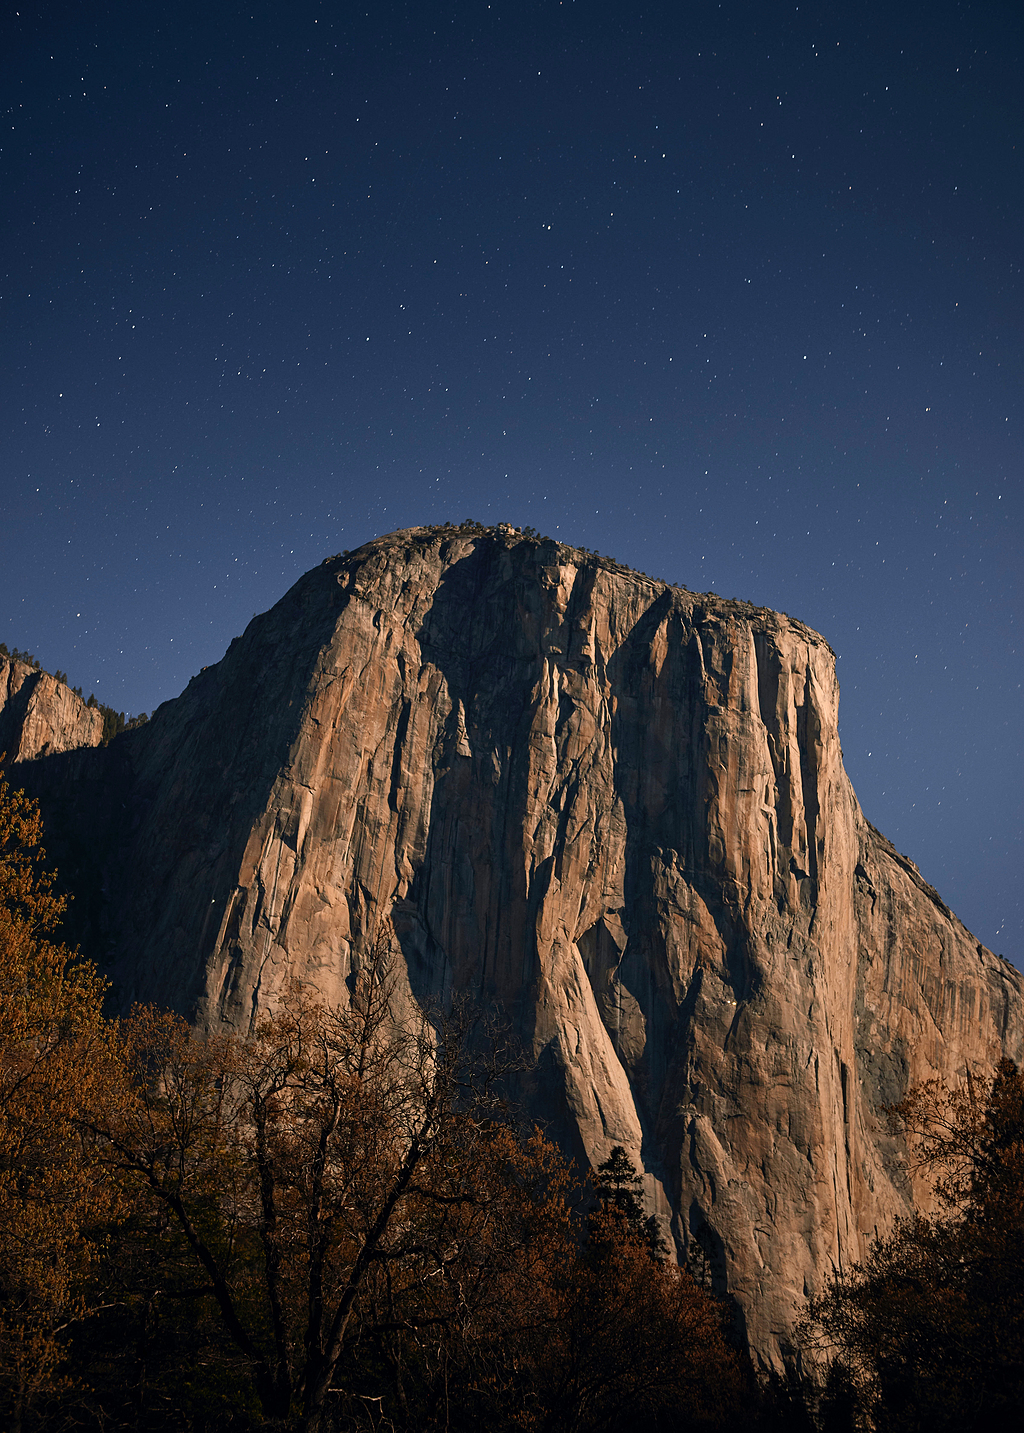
334,1223
54,1204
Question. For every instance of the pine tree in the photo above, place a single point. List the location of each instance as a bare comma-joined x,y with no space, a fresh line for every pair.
620,1189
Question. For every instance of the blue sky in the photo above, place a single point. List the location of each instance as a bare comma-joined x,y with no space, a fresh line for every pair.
730,292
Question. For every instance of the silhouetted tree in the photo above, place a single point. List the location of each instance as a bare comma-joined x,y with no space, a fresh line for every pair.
341,1174
619,1189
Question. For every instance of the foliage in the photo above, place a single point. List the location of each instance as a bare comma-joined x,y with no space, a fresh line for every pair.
116,722
51,1033
634,1341
338,1215
332,1223
619,1189
17,656
929,1330
331,1180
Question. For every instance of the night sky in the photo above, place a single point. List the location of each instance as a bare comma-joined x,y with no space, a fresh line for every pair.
729,292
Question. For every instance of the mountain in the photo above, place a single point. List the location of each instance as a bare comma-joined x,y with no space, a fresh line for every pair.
615,807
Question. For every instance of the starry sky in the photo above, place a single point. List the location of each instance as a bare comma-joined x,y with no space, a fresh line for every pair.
731,292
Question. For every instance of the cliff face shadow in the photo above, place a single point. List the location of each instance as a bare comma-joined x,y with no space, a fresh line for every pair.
464,924
148,833
12,715
470,921
659,734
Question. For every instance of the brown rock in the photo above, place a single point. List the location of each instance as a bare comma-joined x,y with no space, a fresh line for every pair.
40,716
617,808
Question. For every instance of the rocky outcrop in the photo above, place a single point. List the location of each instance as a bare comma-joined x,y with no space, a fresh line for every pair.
40,715
617,808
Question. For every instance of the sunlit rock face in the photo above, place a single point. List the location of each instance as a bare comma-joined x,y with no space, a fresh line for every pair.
615,807
40,715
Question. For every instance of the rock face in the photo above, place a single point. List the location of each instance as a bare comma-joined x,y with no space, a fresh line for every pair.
616,807
39,715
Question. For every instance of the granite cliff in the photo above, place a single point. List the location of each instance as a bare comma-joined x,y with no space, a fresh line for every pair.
616,807
41,715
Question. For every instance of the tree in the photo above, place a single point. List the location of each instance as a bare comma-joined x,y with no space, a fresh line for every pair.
331,1223
929,1330
332,1179
453,1343
52,1204
619,1189
572,1327
631,1340
338,1215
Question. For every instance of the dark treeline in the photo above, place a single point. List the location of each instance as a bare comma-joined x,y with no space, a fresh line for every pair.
336,1223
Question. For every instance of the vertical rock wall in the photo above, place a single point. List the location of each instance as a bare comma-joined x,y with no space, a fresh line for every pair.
616,808
40,716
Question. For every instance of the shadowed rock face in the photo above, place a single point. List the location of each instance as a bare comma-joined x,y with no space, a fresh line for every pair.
39,715
615,807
